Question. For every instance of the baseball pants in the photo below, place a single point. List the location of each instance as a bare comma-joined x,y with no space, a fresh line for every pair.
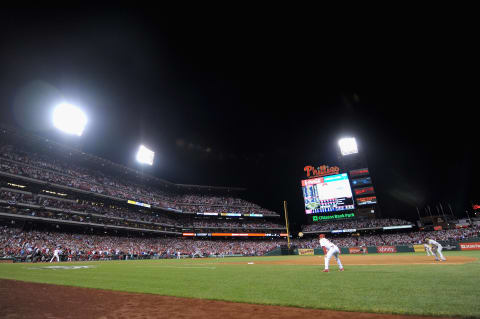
335,252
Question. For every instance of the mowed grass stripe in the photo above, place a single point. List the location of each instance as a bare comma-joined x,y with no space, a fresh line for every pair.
446,290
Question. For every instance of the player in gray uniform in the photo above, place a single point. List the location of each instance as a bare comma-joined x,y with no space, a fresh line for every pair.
428,249
437,249
197,253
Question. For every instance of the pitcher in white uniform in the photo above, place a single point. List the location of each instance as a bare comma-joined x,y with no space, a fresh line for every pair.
438,249
332,250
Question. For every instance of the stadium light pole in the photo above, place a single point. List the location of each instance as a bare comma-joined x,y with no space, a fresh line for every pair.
351,160
69,118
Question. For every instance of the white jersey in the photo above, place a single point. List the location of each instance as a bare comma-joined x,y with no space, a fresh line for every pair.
56,252
433,242
327,243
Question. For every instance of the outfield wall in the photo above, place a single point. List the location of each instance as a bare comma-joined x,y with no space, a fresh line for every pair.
467,244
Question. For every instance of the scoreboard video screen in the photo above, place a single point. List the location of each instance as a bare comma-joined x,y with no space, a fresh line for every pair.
327,194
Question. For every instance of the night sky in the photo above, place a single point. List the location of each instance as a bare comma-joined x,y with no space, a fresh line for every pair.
247,99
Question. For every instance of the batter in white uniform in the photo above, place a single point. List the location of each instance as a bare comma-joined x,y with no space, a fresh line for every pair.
332,250
55,255
437,247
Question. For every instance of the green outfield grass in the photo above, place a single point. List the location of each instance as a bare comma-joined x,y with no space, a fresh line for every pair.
437,289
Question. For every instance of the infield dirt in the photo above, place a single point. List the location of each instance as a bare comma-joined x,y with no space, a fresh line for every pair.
31,300
356,260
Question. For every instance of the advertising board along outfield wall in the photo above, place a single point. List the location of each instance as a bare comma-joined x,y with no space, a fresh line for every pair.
306,252
386,249
370,250
355,250
470,246
419,248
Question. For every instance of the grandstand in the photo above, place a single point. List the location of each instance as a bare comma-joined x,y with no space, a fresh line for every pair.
52,195
38,245
382,231
46,183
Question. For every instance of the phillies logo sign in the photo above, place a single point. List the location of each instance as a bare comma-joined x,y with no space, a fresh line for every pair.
320,171
386,249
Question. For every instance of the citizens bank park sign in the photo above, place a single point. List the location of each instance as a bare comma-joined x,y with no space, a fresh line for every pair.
323,170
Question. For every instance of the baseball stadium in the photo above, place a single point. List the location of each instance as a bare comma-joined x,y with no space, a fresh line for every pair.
162,165
78,229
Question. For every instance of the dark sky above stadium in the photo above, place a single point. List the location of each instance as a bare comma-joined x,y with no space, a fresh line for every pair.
249,98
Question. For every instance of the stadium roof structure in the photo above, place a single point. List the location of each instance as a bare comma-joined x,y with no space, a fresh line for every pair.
5,129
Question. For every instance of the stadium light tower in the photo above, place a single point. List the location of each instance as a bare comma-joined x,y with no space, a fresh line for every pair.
145,156
355,163
348,145
69,119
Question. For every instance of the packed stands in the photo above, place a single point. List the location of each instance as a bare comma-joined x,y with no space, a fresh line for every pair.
17,242
13,202
42,167
90,190
111,211
403,238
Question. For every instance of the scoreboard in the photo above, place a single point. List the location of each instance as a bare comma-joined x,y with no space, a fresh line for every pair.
328,194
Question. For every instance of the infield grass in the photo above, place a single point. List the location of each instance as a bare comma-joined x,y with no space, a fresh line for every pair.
436,289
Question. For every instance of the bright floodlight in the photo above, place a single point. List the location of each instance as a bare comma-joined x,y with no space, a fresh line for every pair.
69,119
348,146
145,156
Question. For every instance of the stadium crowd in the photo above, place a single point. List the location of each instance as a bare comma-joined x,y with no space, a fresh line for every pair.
52,169
64,170
85,211
93,208
16,242
404,238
